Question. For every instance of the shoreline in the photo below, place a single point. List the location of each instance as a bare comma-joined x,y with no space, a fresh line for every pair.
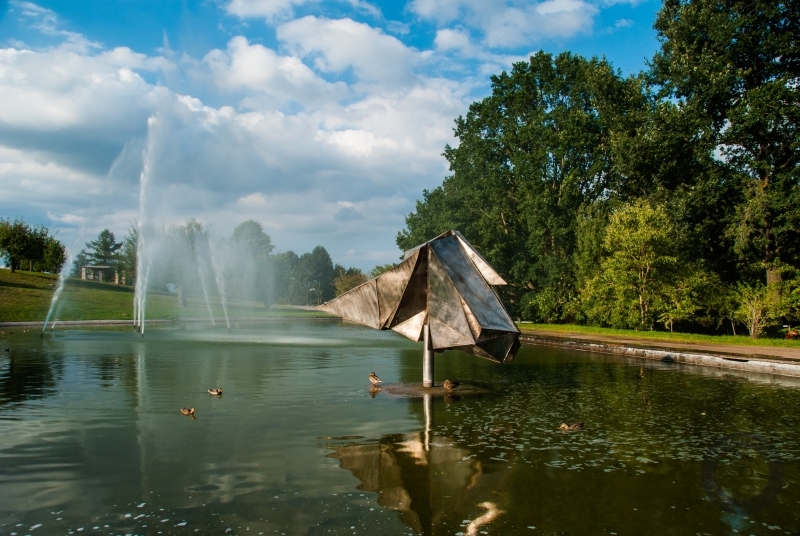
720,359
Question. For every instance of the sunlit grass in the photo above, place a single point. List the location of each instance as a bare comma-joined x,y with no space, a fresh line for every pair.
665,336
26,297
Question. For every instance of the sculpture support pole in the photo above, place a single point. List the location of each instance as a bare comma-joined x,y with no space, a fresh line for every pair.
427,358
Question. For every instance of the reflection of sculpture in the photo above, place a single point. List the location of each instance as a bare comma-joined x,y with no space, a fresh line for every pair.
441,292
418,484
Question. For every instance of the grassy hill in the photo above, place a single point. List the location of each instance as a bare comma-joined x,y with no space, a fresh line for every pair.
26,296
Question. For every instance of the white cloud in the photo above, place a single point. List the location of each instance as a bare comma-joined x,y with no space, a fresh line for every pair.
47,22
338,44
269,9
342,169
510,25
260,70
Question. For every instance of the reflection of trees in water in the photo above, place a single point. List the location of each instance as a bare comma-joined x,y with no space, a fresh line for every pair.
428,487
29,378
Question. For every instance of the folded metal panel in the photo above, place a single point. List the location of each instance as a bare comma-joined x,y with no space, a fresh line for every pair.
449,326
474,290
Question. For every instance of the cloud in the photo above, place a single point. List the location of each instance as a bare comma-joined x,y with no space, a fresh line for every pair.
269,9
336,112
47,22
505,25
259,70
335,45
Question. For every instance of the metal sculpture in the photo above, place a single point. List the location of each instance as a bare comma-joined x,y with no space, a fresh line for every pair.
441,293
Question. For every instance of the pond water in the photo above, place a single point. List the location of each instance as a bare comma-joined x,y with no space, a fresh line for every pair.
92,439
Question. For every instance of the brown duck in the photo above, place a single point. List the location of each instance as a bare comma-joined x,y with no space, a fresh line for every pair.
450,385
571,427
215,392
187,411
373,378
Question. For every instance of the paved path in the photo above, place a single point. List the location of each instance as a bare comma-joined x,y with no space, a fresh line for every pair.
752,352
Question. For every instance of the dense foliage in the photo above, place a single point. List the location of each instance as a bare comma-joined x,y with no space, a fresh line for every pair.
23,246
670,196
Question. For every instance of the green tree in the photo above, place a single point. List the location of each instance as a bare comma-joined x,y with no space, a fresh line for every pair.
380,269
54,257
81,259
14,242
290,288
640,270
317,274
128,255
347,279
103,250
253,249
530,157
733,68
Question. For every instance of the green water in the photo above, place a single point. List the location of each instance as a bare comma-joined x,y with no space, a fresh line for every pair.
92,439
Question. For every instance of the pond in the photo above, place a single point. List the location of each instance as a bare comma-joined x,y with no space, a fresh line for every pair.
93,440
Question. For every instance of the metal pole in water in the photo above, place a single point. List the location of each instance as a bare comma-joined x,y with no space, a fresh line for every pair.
427,358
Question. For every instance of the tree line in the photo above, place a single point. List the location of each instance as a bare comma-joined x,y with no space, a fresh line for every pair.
34,248
189,258
665,198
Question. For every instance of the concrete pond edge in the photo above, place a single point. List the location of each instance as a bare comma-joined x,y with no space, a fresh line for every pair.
747,364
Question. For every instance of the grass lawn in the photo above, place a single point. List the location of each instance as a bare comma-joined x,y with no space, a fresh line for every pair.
26,297
665,336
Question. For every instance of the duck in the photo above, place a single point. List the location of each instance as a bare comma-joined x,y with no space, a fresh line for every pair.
187,411
450,385
8,349
215,392
373,378
571,427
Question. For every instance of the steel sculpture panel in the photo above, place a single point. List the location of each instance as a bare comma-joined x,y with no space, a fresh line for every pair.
444,284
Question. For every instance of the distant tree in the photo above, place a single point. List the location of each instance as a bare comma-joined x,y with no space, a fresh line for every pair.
378,270
81,259
347,279
37,240
103,250
54,257
289,287
250,234
14,242
253,248
317,273
127,255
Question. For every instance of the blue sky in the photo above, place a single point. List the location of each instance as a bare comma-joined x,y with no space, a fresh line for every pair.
322,120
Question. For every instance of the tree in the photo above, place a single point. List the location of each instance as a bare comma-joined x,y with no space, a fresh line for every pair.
103,250
347,279
640,269
253,248
14,242
530,157
81,259
128,255
380,269
317,274
733,68
54,257
758,308
290,288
